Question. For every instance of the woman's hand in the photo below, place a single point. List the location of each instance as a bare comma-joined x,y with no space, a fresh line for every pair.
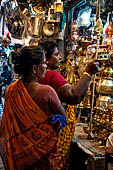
93,67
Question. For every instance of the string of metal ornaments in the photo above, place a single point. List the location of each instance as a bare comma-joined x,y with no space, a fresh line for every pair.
104,93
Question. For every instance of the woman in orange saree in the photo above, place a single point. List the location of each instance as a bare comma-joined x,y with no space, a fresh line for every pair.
28,138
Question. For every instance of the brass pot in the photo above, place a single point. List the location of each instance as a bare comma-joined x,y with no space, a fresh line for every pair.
105,86
107,72
103,102
35,22
48,29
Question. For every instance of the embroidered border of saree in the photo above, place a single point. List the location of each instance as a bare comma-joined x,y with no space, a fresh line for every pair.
25,135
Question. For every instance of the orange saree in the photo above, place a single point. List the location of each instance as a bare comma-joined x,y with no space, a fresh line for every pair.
25,134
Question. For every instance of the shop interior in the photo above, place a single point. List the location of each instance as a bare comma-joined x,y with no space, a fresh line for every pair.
81,29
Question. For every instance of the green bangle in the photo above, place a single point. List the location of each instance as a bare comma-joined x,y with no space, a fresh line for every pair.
85,73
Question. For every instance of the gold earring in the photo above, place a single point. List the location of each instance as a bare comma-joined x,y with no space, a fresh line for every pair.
34,71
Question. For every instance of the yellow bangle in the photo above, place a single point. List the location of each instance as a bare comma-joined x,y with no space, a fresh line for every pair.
87,74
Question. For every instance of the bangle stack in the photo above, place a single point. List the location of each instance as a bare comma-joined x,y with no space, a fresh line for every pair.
87,74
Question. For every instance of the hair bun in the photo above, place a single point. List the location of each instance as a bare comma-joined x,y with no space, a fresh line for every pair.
15,57
24,59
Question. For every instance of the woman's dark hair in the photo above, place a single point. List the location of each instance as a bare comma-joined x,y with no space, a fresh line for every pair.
17,46
26,58
49,47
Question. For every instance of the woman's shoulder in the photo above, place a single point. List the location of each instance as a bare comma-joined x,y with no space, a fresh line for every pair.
52,72
11,86
47,90
54,75
44,87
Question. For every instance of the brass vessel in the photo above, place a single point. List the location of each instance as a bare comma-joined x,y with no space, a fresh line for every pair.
105,86
107,72
103,102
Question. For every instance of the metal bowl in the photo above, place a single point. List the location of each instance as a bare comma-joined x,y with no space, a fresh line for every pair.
39,9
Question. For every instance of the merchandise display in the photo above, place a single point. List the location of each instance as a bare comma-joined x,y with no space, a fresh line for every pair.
83,31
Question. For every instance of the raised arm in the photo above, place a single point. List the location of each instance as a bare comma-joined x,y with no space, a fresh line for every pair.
73,95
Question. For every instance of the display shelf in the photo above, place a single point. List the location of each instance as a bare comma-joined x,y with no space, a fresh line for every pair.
103,125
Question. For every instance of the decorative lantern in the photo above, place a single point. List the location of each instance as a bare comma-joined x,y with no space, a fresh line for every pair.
59,6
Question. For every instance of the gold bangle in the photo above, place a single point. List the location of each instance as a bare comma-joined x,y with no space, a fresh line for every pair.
87,74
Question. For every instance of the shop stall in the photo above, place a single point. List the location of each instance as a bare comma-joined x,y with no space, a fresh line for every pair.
83,30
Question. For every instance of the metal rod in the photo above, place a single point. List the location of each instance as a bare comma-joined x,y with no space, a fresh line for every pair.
93,90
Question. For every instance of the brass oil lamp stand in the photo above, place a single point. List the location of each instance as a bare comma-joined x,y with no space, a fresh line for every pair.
91,135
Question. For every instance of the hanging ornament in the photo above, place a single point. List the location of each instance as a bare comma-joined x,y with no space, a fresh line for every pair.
98,26
59,6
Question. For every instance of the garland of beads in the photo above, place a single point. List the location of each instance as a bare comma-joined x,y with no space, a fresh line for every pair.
65,138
